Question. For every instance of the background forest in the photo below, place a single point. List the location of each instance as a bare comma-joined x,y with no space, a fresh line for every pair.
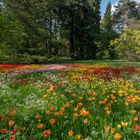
38,31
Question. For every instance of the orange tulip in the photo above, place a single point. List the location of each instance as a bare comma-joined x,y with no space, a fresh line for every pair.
39,125
135,118
46,133
133,111
136,127
52,121
12,137
47,112
86,121
117,136
11,123
3,131
70,132
84,112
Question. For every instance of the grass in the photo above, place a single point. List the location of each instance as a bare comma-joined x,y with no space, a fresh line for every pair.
88,100
64,60
109,62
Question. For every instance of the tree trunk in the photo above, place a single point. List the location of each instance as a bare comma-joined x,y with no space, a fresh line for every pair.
71,38
50,33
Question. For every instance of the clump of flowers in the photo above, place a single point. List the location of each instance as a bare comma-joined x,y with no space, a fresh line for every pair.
79,102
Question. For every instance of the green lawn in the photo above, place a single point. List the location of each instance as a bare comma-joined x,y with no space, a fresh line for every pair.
109,62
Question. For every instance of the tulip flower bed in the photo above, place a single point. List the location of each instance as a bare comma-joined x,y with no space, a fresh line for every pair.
69,102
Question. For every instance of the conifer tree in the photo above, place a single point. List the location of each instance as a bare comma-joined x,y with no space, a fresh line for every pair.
82,20
46,24
107,17
107,34
125,14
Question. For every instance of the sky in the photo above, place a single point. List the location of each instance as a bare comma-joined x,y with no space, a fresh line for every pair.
104,4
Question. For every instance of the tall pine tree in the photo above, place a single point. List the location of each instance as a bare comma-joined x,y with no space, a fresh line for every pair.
81,20
46,24
107,17
107,34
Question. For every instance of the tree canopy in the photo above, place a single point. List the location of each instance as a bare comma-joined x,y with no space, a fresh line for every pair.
35,31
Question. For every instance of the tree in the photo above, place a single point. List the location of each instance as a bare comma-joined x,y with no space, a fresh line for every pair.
11,37
107,34
46,24
107,17
125,14
81,20
127,45
40,24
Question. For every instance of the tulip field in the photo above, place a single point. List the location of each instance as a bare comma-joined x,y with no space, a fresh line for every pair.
69,102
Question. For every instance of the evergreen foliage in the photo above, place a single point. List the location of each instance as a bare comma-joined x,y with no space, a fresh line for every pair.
33,31
54,28
107,34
